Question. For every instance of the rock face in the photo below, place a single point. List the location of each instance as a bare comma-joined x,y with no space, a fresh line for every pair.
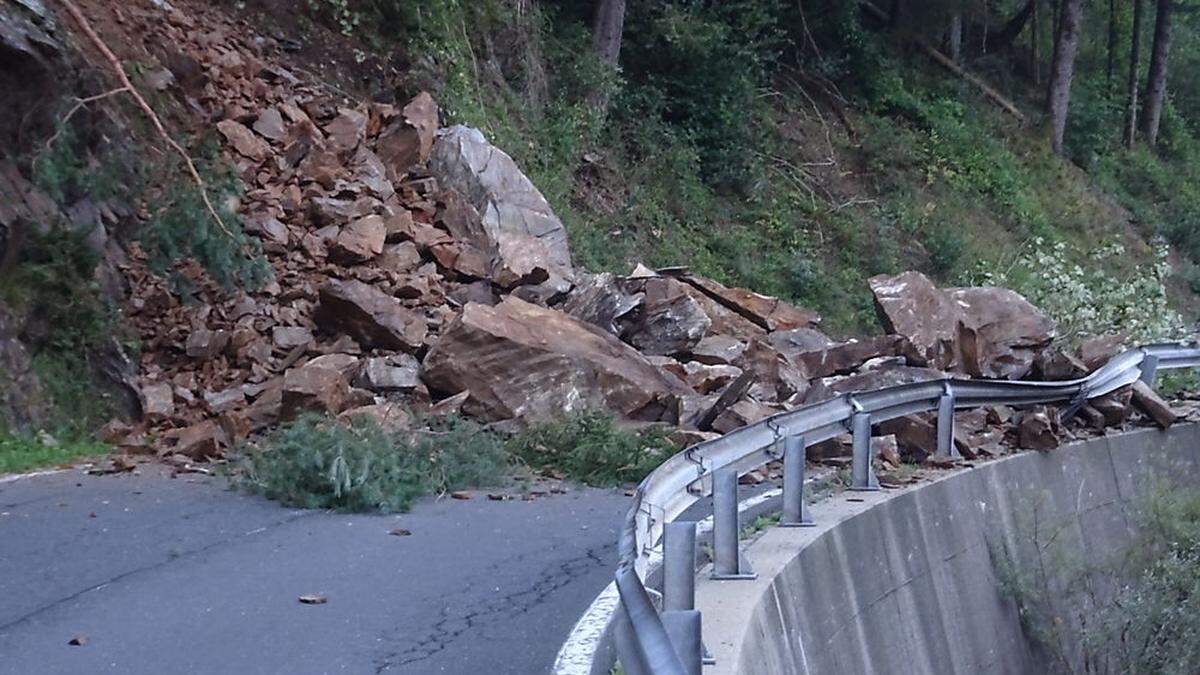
980,331
370,316
517,223
521,360
22,403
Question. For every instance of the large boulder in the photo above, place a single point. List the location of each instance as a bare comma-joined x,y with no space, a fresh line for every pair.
520,360
764,311
370,316
529,241
980,331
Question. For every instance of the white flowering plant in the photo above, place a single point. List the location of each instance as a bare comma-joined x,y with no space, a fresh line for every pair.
1092,297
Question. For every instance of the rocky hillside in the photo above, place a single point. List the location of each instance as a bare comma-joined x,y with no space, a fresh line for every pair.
414,269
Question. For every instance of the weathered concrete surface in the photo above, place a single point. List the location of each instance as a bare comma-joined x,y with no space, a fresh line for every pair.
902,581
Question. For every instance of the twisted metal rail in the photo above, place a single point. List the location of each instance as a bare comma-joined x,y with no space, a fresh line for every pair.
668,643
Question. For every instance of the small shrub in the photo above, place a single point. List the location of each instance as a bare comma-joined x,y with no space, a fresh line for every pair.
1091,297
590,447
184,228
315,462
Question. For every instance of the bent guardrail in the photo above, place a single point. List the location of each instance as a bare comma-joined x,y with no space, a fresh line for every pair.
669,642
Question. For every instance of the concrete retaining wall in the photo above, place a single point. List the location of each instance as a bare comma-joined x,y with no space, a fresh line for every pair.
902,581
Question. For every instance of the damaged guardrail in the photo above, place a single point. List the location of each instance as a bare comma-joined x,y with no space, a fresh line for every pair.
664,638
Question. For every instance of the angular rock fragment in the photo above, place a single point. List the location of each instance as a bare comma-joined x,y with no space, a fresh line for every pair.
408,140
359,241
529,240
1152,405
718,350
981,331
393,373
1039,429
670,320
768,313
203,344
313,389
368,315
158,401
290,337
519,360
243,140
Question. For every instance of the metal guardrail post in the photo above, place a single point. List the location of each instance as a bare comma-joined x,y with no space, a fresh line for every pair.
683,627
642,642
679,566
945,425
795,512
727,558
1149,369
862,474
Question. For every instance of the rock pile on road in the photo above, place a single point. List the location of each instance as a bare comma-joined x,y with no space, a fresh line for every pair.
417,269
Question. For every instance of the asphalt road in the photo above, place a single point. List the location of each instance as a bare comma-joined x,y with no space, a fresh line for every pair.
181,575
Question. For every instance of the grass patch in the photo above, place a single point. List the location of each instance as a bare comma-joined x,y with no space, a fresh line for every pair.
316,463
592,448
19,454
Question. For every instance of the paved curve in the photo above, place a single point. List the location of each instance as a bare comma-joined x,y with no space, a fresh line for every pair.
182,575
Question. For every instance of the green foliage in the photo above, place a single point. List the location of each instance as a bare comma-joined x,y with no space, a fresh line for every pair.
1136,612
184,228
315,462
1097,299
590,447
68,173
20,453
53,283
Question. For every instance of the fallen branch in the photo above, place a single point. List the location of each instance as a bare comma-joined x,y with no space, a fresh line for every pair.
127,86
79,104
947,63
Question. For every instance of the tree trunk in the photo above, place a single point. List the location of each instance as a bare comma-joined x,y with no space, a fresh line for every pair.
1035,56
1013,27
1135,64
607,26
956,37
1156,85
1111,65
1059,96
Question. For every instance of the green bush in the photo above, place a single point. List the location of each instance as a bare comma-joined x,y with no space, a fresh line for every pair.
315,462
590,447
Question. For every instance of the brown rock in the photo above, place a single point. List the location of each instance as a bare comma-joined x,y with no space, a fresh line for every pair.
980,331
370,316
203,344
243,140
517,223
519,360
1053,365
399,258
1151,405
270,124
359,241
1097,351
313,389
346,130
768,313
225,400
1039,429
718,350
845,357
600,300
158,401
390,416
290,337
738,415
204,440
1116,407
408,140
706,379
670,320
399,372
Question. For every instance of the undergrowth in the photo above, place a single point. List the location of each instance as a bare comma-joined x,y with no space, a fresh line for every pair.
591,447
21,453
317,462
314,462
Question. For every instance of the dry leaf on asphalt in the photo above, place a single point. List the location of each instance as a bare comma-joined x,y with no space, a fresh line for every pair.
313,599
79,640
401,532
